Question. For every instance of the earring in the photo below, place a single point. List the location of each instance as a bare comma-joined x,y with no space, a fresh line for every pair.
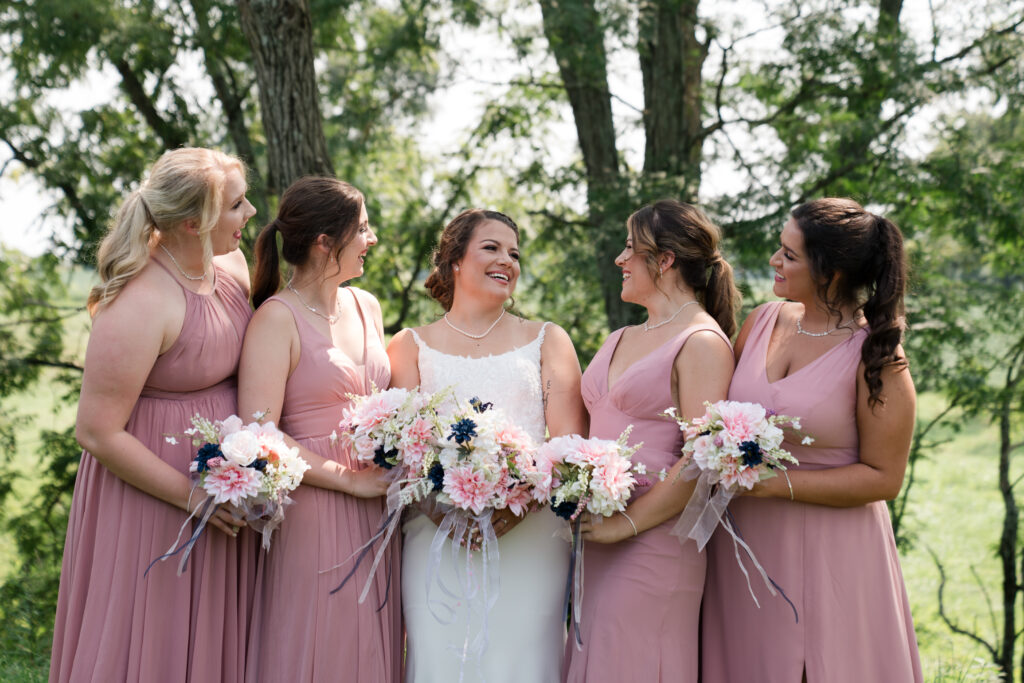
456,268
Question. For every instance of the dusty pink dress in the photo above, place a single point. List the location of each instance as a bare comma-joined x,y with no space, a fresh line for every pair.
641,599
302,632
114,624
839,566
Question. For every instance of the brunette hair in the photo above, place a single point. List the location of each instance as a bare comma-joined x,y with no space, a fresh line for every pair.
452,247
684,231
859,257
184,184
310,207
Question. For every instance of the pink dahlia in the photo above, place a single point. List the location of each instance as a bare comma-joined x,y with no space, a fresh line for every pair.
232,484
468,488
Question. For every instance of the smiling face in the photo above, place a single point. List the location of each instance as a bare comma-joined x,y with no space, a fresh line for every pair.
637,283
234,214
793,278
353,256
490,267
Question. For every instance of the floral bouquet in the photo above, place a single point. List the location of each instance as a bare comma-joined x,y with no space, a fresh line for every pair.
574,474
732,446
249,466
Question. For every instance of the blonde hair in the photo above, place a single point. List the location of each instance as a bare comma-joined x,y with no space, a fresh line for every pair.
184,184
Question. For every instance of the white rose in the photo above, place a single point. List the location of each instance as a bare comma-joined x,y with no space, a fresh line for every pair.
241,447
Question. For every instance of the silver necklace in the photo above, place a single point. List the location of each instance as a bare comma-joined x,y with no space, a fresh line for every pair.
331,319
475,336
648,326
800,329
194,278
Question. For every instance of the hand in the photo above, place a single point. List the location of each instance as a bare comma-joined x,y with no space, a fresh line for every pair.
226,518
368,482
504,521
605,529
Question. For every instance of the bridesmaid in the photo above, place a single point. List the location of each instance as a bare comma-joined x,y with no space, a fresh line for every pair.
168,319
831,355
308,347
642,595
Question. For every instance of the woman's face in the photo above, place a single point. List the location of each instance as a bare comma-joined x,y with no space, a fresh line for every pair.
235,212
637,283
352,257
793,279
490,267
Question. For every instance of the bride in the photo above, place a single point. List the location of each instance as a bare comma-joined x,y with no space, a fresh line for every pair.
528,369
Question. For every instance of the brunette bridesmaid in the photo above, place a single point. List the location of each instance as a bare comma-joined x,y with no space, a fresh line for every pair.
308,348
642,586
829,354
168,319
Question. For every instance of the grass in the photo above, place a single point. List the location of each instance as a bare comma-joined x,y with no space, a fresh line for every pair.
955,511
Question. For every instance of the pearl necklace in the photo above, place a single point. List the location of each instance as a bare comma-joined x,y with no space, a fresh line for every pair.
475,336
800,329
331,319
194,278
648,327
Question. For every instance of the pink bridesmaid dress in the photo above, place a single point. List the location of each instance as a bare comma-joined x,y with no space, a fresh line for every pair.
113,623
302,632
641,598
839,566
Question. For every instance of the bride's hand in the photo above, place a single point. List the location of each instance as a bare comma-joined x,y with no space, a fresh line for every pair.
504,521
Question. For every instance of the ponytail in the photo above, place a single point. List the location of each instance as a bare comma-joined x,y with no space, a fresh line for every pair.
884,308
721,297
266,278
124,251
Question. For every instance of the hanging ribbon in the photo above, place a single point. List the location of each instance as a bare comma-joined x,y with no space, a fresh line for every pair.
205,511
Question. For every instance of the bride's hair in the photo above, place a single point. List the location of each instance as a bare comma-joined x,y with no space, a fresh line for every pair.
184,184
452,247
684,231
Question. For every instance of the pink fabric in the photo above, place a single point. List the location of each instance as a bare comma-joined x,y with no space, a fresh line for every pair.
112,623
641,598
302,632
839,566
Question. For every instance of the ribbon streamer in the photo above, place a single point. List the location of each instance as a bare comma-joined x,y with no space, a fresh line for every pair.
574,584
205,511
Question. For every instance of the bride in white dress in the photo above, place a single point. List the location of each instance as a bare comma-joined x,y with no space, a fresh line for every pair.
529,370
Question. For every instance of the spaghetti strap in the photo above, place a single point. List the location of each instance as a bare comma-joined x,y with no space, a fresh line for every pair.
367,384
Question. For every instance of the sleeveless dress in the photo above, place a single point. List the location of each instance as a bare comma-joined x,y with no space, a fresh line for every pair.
526,632
113,623
839,566
301,631
641,596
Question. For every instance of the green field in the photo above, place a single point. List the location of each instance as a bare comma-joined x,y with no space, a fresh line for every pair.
955,512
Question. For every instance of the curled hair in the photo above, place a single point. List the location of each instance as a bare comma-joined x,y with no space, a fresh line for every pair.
857,258
310,207
452,247
184,184
684,231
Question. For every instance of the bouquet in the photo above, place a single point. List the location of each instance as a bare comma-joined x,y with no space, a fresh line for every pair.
249,466
732,446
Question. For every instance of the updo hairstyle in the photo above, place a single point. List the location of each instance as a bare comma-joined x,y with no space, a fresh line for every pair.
184,184
310,207
857,258
452,247
684,231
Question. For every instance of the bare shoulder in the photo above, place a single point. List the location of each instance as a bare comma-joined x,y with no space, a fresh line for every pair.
748,325
236,266
272,313
150,298
403,342
706,344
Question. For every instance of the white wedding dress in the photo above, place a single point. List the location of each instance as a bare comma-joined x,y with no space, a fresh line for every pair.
525,627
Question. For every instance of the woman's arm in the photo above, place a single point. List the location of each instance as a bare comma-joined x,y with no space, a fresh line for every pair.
404,357
560,375
701,372
885,433
269,356
127,337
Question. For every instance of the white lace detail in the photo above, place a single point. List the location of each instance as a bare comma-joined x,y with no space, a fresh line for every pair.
510,380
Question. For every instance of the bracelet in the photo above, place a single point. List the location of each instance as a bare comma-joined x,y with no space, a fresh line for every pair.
630,520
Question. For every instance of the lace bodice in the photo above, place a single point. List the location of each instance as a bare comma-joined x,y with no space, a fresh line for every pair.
510,380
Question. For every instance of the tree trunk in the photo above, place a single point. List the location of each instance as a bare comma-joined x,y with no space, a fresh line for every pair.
1009,541
671,60
576,37
281,37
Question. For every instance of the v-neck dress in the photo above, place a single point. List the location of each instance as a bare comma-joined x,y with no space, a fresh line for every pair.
839,566
114,621
641,597
302,632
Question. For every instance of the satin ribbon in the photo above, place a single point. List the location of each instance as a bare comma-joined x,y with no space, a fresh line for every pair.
205,511
574,583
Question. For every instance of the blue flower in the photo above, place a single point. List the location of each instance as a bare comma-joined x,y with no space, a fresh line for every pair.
380,457
258,464
208,451
566,509
479,406
752,456
436,476
463,431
